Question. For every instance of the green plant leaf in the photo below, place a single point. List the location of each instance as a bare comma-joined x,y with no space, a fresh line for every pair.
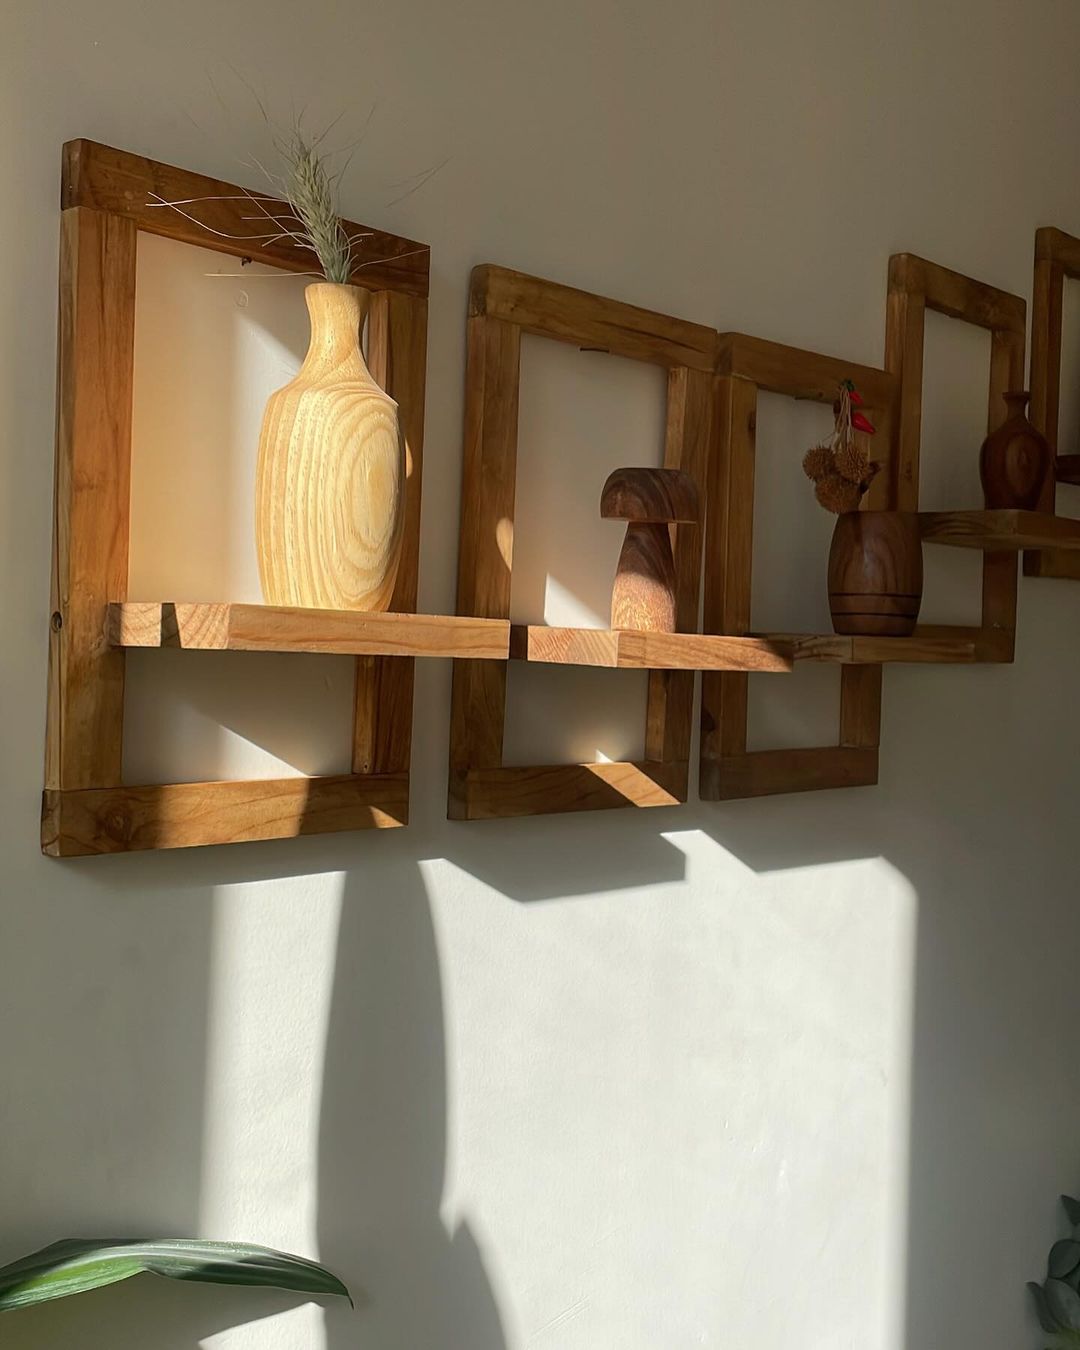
79,1264
1064,1304
1042,1309
1064,1258
1072,1209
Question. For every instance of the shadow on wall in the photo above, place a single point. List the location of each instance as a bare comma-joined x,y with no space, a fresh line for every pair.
383,1138
104,1005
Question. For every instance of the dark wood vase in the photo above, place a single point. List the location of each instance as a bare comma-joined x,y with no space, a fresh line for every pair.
876,573
1014,461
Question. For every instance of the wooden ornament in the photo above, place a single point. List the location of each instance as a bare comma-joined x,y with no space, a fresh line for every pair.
1015,461
650,501
331,471
876,573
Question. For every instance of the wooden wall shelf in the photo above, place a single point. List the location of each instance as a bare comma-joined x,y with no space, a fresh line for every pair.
623,649
1000,531
713,383
745,367
502,305
280,628
107,199
1057,259
1067,469
630,649
77,822
877,651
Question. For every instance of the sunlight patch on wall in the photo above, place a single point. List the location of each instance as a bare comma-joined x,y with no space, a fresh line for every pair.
562,608
680,1079
823,1009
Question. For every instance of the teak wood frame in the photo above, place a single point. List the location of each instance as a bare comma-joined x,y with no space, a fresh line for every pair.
745,365
503,304
106,201
1057,259
728,769
915,286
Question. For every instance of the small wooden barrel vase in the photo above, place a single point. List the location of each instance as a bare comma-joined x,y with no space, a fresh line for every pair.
650,501
876,573
331,471
1014,461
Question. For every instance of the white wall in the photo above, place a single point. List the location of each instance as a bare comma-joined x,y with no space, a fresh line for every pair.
777,1073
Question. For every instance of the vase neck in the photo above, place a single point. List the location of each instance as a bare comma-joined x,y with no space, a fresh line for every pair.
1016,401
337,315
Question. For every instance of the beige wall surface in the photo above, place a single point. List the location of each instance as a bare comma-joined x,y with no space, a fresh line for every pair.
790,1072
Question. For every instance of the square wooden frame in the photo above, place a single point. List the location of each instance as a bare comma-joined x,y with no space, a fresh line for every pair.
504,304
727,768
106,196
1057,258
915,286
745,365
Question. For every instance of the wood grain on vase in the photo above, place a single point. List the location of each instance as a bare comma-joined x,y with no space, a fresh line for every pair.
331,471
876,573
650,501
1015,461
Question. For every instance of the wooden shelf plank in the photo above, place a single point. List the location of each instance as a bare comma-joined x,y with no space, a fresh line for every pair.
1067,469
627,649
999,531
1052,562
771,652
874,651
280,628
84,821
761,773
545,789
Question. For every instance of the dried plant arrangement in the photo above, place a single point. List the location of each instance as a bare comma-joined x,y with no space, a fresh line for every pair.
841,468
302,205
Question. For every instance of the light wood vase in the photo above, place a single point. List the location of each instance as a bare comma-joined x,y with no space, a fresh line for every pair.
876,573
331,471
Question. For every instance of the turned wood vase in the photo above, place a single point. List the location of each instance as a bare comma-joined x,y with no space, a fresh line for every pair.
876,573
329,490
1014,461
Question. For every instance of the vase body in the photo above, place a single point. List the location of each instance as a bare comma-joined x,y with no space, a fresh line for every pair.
876,573
329,488
1015,461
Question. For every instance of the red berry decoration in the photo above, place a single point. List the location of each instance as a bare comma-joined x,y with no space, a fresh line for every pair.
841,469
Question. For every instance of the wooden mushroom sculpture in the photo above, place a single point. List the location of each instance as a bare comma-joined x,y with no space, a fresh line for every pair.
650,501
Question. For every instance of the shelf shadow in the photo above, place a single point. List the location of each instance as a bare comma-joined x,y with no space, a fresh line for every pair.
383,1132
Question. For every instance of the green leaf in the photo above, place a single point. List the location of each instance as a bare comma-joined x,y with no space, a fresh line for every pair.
79,1264
1072,1209
1064,1304
1064,1258
1042,1309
